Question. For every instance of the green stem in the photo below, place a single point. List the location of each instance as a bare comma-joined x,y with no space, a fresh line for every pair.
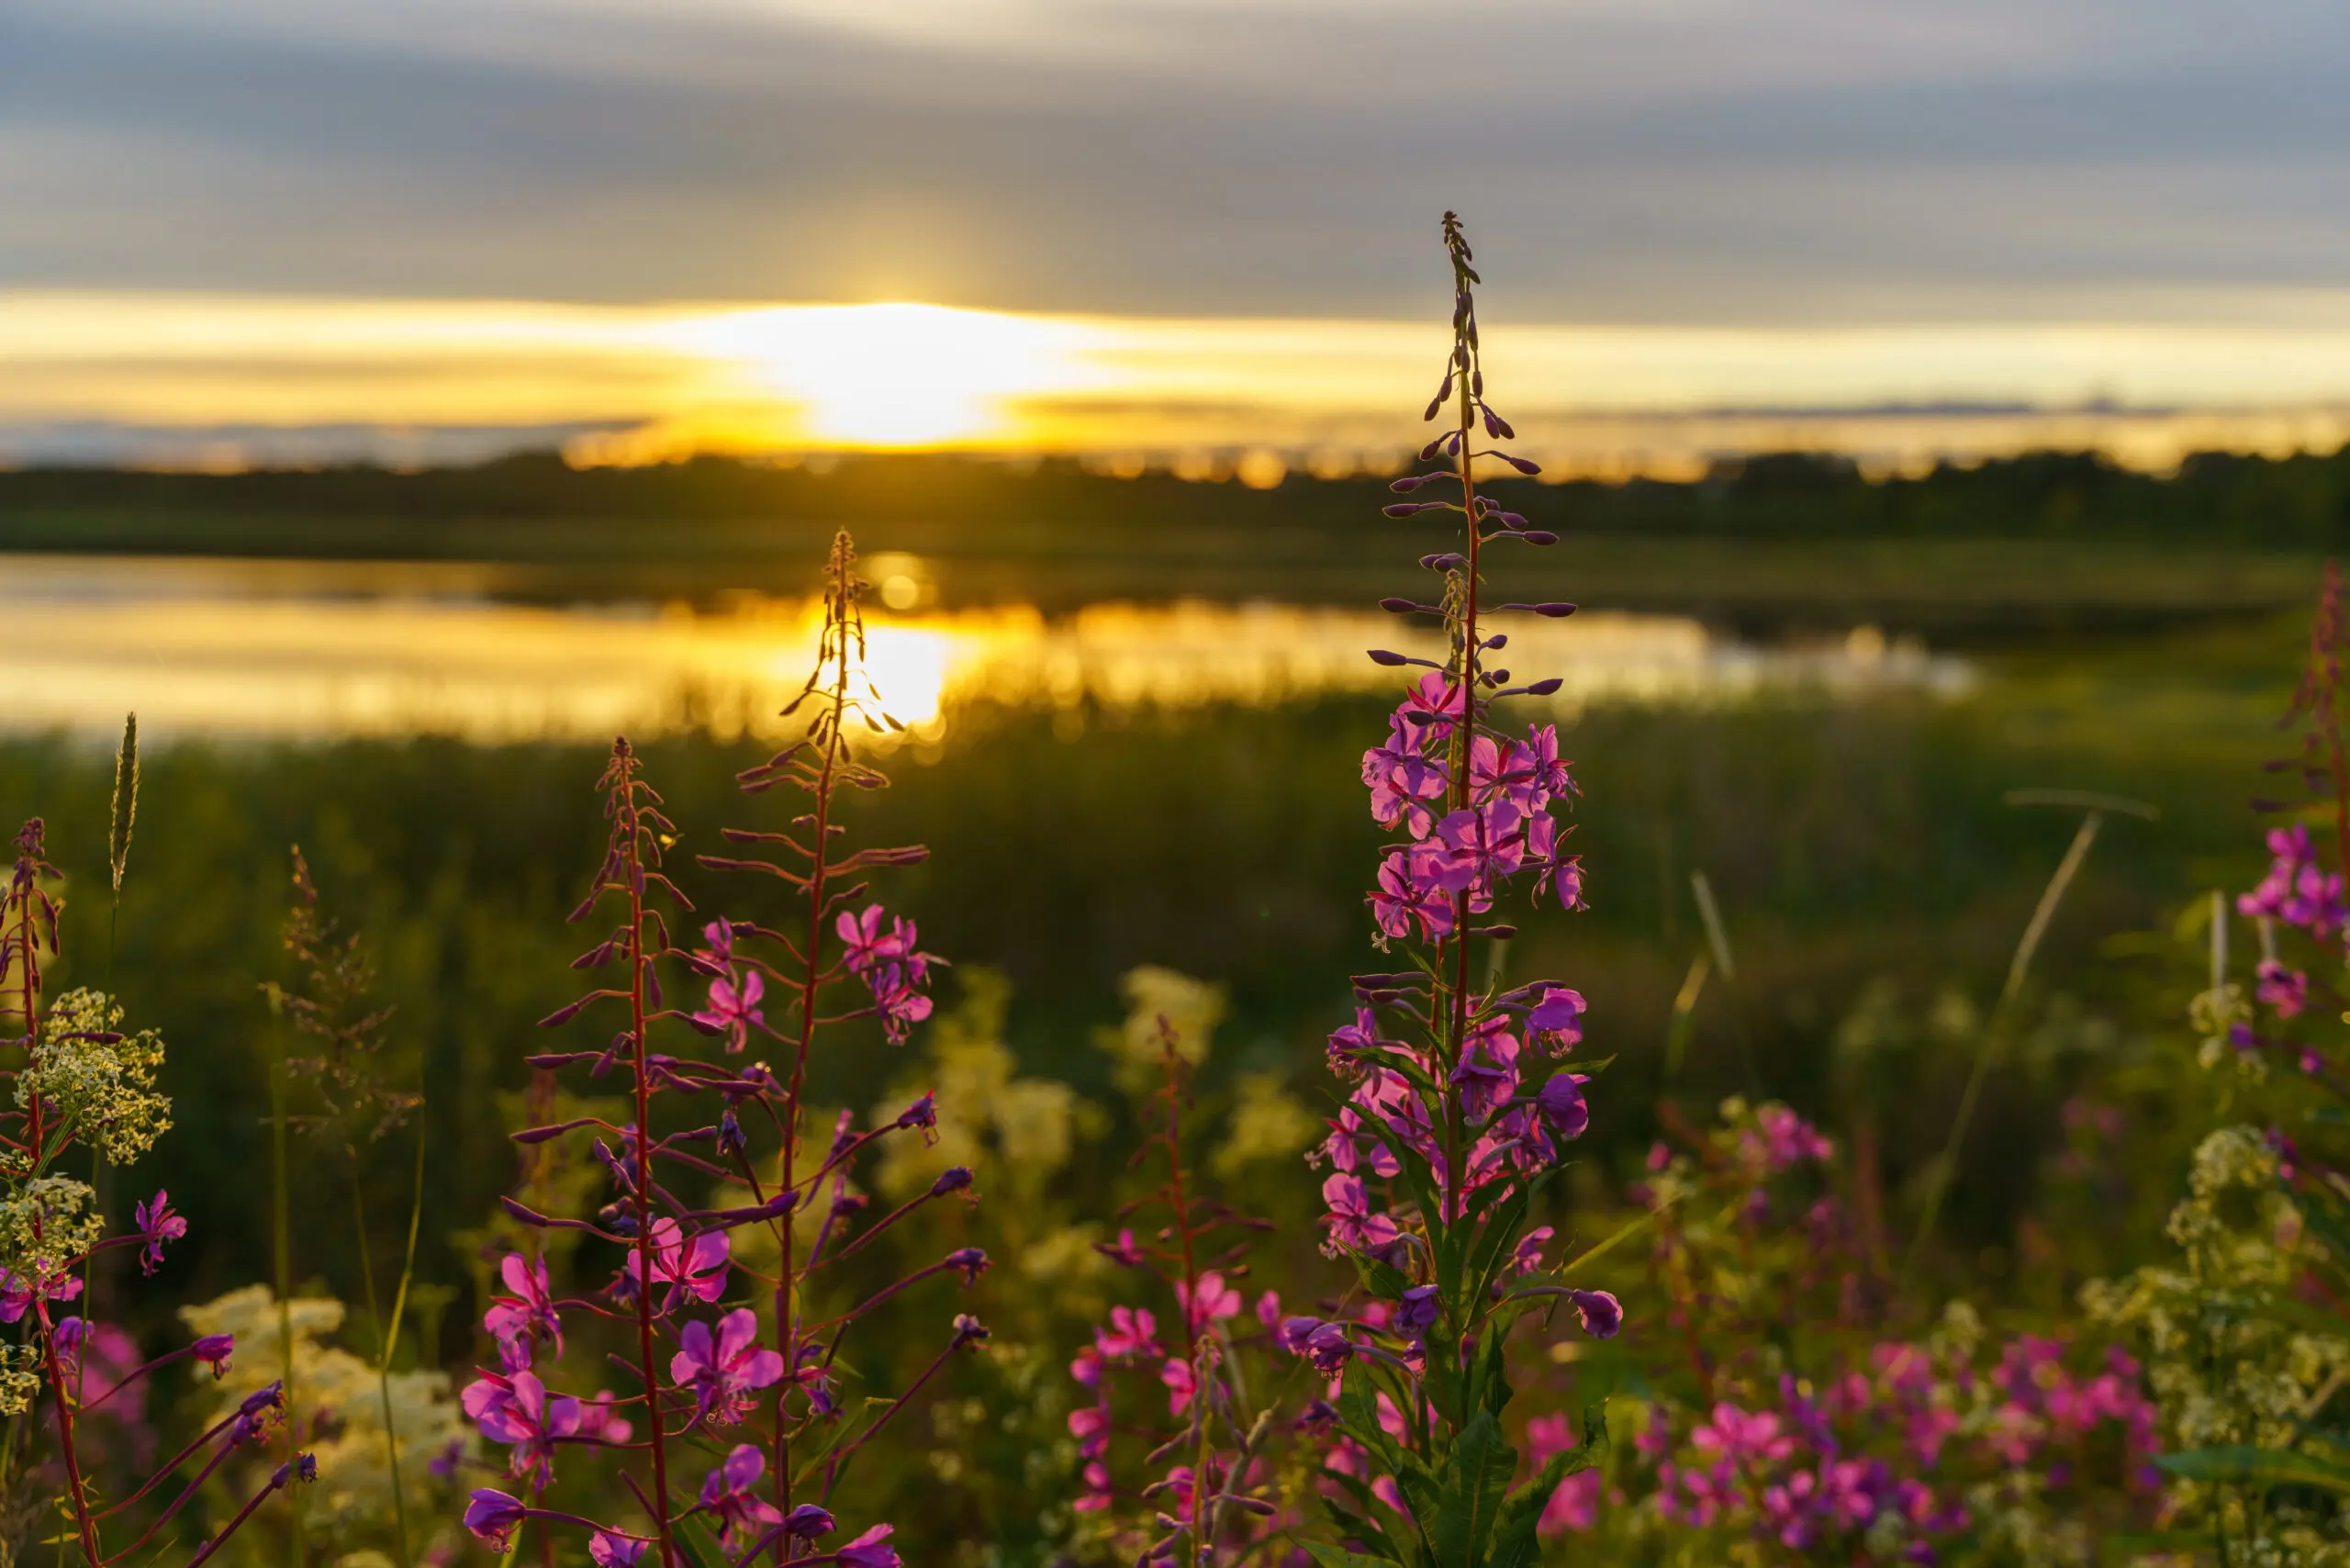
1994,1035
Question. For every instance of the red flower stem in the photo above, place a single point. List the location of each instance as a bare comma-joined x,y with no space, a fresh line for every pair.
842,590
633,868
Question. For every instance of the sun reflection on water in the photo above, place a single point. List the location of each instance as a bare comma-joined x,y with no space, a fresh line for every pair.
211,663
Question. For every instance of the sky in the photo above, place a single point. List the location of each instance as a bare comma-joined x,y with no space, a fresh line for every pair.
249,224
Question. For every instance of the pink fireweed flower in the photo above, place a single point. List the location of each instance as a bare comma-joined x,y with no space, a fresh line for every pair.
1089,1425
214,1350
1098,1496
600,1422
522,1415
530,1310
871,1549
16,1295
1560,1102
1600,1312
1182,1384
734,1007
2297,890
1487,843
156,1224
1556,1018
808,1521
1405,899
1352,1044
2286,991
727,1492
695,1265
724,1370
1215,1302
1431,708
1738,1435
610,1550
1125,1249
1528,1257
493,1516
1780,1138
1486,1074
1132,1334
1351,1224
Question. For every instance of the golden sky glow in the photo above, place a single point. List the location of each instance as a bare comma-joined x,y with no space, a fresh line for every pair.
659,381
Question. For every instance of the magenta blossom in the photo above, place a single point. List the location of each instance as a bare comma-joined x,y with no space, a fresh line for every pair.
725,1370
733,1007
522,1414
493,1516
871,1549
610,1550
17,1296
530,1310
157,1224
695,1265
728,1493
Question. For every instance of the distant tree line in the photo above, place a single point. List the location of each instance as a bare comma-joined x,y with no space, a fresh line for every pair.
2297,502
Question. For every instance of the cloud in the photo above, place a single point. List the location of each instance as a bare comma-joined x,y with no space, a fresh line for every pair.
1675,159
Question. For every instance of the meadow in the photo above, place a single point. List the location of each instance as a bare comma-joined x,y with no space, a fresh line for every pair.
1908,1174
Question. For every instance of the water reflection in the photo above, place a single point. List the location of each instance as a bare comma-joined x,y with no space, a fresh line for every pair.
322,651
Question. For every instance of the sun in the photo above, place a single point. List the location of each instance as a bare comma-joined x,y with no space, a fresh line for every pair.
901,375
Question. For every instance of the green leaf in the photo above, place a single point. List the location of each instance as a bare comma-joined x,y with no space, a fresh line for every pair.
2244,1465
1330,1556
1359,1525
1359,1416
1515,1544
1384,1281
1475,1482
698,1542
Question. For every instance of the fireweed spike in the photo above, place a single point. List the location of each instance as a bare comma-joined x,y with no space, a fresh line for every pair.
711,1149
1460,1097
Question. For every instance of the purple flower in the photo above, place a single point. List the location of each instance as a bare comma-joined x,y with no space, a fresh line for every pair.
1561,1103
1214,1301
1328,1348
724,1370
2297,890
522,1415
1352,1225
17,1296
871,1549
493,1516
923,1114
530,1310
1405,898
213,1352
1601,1313
695,1265
2287,990
157,1224
727,1493
1556,1017
1432,707
613,1549
1418,1311
808,1521
1528,1256
734,1007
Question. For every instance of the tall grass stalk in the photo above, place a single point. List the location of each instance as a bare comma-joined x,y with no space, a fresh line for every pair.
1992,1042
